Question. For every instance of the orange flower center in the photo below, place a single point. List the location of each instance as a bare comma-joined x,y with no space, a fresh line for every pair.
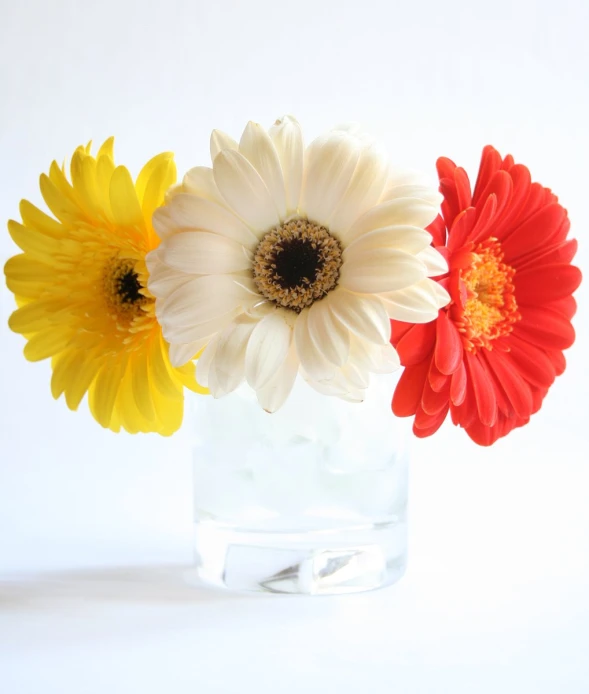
490,310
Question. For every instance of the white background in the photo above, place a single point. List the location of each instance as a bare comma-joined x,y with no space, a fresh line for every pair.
95,529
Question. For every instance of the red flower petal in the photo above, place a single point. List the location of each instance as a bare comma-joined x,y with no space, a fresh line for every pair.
462,188
426,425
407,395
484,392
562,252
485,216
437,380
558,360
501,186
458,385
490,164
566,306
538,395
445,168
448,350
544,283
544,328
433,402
398,329
514,386
438,231
465,413
486,436
532,362
417,343
534,233
461,229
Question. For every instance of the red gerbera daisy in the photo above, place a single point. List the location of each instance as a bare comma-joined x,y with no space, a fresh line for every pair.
493,352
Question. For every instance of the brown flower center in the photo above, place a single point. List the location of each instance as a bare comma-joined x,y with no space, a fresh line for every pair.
297,264
490,310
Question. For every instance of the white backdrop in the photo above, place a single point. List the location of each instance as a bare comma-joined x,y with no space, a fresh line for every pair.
95,529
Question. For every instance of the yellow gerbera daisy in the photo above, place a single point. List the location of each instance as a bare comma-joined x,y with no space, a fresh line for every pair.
81,285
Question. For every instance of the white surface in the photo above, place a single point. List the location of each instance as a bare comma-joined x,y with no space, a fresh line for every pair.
95,528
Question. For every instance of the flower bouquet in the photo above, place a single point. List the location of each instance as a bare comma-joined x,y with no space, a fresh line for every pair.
289,282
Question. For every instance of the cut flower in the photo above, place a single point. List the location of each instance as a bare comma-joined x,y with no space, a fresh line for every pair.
280,258
81,285
492,354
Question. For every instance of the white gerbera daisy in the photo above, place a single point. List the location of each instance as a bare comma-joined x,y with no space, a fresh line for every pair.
279,259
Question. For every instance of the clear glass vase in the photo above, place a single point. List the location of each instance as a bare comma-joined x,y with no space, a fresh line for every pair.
311,499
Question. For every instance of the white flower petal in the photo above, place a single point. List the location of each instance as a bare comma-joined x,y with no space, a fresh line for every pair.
400,211
409,189
205,361
163,280
359,379
221,141
182,334
267,349
330,165
257,147
380,270
180,354
287,137
312,361
163,222
188,211
375,358
338,387
416,304
363,315
229,362
406,238
200,300
274,394
202,252
173,191
364,191
330,336
200,181
244,190
434,261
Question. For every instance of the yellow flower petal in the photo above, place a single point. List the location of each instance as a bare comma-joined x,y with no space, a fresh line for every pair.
83,371
142,391
60,204
107,149
160,370
33,218
47,343
34,316
36,245
103,391
85,182
170,413
123,199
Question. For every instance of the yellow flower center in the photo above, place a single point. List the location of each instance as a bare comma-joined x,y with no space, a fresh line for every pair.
297,264
123,291
490,310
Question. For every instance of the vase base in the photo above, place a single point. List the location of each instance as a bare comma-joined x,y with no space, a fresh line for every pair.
317,562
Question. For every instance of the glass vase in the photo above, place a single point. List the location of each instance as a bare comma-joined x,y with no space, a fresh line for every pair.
311,499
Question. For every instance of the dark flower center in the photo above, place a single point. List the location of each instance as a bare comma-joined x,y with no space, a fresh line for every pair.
123,290
297,264
129,288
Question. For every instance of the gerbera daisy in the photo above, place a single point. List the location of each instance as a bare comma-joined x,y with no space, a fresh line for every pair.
494,351
81,287
279,258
